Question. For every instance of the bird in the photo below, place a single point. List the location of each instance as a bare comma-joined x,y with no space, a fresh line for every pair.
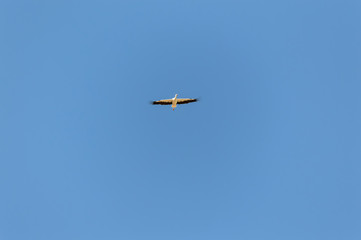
174,101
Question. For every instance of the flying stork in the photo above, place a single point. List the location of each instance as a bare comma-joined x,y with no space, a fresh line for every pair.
174,101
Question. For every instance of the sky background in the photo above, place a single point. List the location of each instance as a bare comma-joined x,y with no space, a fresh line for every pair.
272,150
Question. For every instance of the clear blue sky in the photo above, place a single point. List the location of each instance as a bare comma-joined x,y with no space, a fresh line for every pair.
272,150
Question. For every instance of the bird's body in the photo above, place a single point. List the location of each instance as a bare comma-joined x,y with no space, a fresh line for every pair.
174,101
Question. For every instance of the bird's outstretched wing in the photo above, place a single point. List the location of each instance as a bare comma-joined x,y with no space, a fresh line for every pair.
163,102
186,100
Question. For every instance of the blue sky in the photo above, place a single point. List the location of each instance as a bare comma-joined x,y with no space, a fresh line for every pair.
272,150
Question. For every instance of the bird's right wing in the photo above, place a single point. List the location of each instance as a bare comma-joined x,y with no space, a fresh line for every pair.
163,102
186,100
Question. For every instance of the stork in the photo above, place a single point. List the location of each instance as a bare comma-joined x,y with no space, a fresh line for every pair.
174,101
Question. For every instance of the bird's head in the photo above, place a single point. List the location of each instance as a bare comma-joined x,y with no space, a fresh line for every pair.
176,95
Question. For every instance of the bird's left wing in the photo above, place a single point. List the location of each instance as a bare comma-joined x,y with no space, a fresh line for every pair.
186,100
163,102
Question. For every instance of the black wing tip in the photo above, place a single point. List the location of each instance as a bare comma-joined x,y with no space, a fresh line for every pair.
160,103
